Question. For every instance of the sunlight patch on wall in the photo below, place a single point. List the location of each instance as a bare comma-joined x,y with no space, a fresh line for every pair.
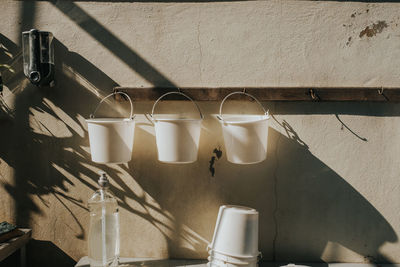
334,251
65,118
44,123
191,239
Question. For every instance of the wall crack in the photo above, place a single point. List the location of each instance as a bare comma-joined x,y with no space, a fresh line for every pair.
275,212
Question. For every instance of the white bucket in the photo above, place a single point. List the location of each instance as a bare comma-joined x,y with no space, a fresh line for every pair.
239,261
236,232
224,263
217,263
111,139
177,138
245,136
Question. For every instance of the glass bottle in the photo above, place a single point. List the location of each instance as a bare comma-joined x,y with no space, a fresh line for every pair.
104,226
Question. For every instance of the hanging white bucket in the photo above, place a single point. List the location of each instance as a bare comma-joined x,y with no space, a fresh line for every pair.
245,136
111,139
177,138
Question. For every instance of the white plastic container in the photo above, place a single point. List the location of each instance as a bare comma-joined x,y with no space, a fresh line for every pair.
111,139
224,263
245,136
233,259
177,138
219,259
236,232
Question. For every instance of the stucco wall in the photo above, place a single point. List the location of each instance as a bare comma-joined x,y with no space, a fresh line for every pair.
329,189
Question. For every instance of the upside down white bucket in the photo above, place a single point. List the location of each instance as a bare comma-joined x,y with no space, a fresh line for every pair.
111,139
245,136
235,234
227,263
230,261
177,138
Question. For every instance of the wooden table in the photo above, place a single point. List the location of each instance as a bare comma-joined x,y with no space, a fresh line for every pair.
17,243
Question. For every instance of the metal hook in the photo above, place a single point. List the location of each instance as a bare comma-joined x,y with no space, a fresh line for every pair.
380,91
314,96
244,90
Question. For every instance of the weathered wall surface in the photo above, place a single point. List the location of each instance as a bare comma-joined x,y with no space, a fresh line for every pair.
330,188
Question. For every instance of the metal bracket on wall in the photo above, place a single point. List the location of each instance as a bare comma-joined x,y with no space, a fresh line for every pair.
320,94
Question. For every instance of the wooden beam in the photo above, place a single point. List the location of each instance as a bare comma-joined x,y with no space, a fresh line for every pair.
376,94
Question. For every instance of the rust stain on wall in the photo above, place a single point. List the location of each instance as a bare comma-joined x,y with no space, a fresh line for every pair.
374,29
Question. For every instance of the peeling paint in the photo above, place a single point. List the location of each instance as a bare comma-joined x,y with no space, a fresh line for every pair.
353,15
348,41
374,29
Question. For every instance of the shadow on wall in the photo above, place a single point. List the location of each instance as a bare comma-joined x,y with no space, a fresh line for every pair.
41,137
44,141
314,205
318,214
307,209
171,227
112,43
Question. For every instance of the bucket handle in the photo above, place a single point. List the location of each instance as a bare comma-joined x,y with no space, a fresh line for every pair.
178,93
114,93
266,112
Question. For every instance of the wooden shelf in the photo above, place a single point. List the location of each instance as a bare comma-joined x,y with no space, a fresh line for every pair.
376,94
10,246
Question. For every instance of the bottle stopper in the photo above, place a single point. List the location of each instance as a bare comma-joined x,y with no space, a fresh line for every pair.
103,180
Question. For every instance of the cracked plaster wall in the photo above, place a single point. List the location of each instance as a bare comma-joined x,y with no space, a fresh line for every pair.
329,190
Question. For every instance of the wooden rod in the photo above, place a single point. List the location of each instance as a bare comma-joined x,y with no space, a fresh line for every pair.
376,94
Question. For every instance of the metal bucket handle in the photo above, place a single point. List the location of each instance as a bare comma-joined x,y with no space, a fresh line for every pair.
266,112
178,93
114,93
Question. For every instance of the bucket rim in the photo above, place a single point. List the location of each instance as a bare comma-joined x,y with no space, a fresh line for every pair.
109,120
177,162
240,263
228,121
247,163
241,209
112,162
220,256
179,119
233,260
233,255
